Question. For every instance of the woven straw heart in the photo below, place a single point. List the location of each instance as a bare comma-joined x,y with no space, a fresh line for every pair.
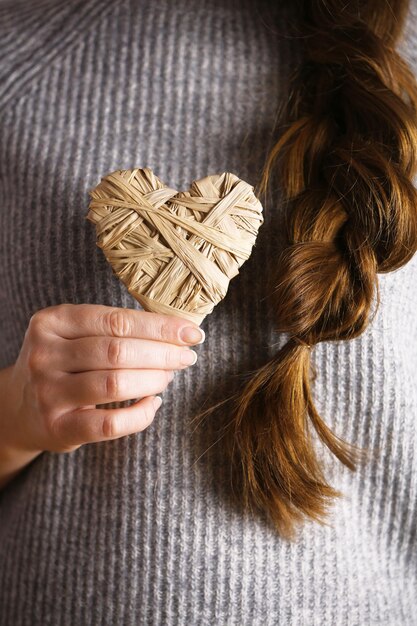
175,251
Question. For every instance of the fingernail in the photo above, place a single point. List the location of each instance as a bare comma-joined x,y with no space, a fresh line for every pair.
188,357
191,334
157,401
171,375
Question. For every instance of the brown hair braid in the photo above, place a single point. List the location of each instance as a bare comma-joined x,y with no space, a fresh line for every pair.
345,162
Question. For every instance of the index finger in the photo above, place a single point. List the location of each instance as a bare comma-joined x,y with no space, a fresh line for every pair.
72,321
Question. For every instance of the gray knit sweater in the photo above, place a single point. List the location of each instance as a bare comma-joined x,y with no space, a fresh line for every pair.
140,530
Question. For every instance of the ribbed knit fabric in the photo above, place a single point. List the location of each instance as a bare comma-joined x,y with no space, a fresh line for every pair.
140,530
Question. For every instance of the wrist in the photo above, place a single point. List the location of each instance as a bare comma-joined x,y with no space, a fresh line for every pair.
14,456
12,462
14,437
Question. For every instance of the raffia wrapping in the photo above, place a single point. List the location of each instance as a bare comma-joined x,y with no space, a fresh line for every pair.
175,251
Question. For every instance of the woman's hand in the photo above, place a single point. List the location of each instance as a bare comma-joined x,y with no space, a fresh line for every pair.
75,356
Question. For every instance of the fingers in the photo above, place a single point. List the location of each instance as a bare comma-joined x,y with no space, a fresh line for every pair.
86,355
95,353
104,386
92,425
83,320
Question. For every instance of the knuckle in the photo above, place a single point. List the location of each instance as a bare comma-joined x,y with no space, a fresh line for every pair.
112,385
165,329
66,306
115,352
36,360
171,359
56,310
118,323
37,322
43,317
108,425
65,310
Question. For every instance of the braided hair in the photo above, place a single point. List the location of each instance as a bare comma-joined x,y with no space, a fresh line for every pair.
345,163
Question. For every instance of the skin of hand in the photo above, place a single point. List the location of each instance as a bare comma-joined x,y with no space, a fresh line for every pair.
75,356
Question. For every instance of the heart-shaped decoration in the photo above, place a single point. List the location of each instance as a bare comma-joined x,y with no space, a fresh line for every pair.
175,251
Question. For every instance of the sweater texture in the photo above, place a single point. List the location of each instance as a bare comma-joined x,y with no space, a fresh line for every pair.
140,531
